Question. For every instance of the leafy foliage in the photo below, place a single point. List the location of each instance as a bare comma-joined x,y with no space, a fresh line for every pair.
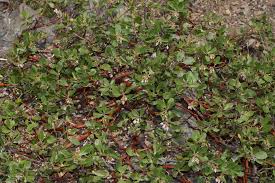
106,100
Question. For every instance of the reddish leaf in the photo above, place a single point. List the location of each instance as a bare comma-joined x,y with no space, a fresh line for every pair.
168,166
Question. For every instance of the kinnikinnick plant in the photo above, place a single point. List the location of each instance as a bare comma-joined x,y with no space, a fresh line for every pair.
132,91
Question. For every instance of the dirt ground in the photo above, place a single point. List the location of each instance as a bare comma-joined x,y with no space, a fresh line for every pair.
234,13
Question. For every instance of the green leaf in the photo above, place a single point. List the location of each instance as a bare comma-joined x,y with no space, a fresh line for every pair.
5,130
170,103
25,14
261,155
106,67
189,60
198,136
192,77
87,149
130,152
74,141
161,105
51,139
51,4
266,124
31,126
116,91
180,56
10,124
98,144
250,93
245,116
93,71
63,82
41,135
110,50
101,173
83,51
228,106
268,78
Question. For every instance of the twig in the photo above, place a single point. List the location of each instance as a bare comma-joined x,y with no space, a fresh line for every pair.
84,39
218,140
193,113
23,155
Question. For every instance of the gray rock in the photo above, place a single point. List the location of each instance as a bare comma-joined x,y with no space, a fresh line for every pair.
12,24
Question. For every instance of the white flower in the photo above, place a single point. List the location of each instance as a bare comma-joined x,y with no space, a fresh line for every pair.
58,12
123,99
215,170
136,121
212,56
164,126
145,79
195,160
218,180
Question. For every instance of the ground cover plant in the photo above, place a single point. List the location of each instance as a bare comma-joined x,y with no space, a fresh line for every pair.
132,91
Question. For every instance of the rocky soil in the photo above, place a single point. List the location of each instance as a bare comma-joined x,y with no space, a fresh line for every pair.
235,14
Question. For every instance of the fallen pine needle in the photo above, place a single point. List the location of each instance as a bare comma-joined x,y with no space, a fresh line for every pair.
4,84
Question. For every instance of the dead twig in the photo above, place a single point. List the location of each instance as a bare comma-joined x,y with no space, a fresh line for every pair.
193,113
